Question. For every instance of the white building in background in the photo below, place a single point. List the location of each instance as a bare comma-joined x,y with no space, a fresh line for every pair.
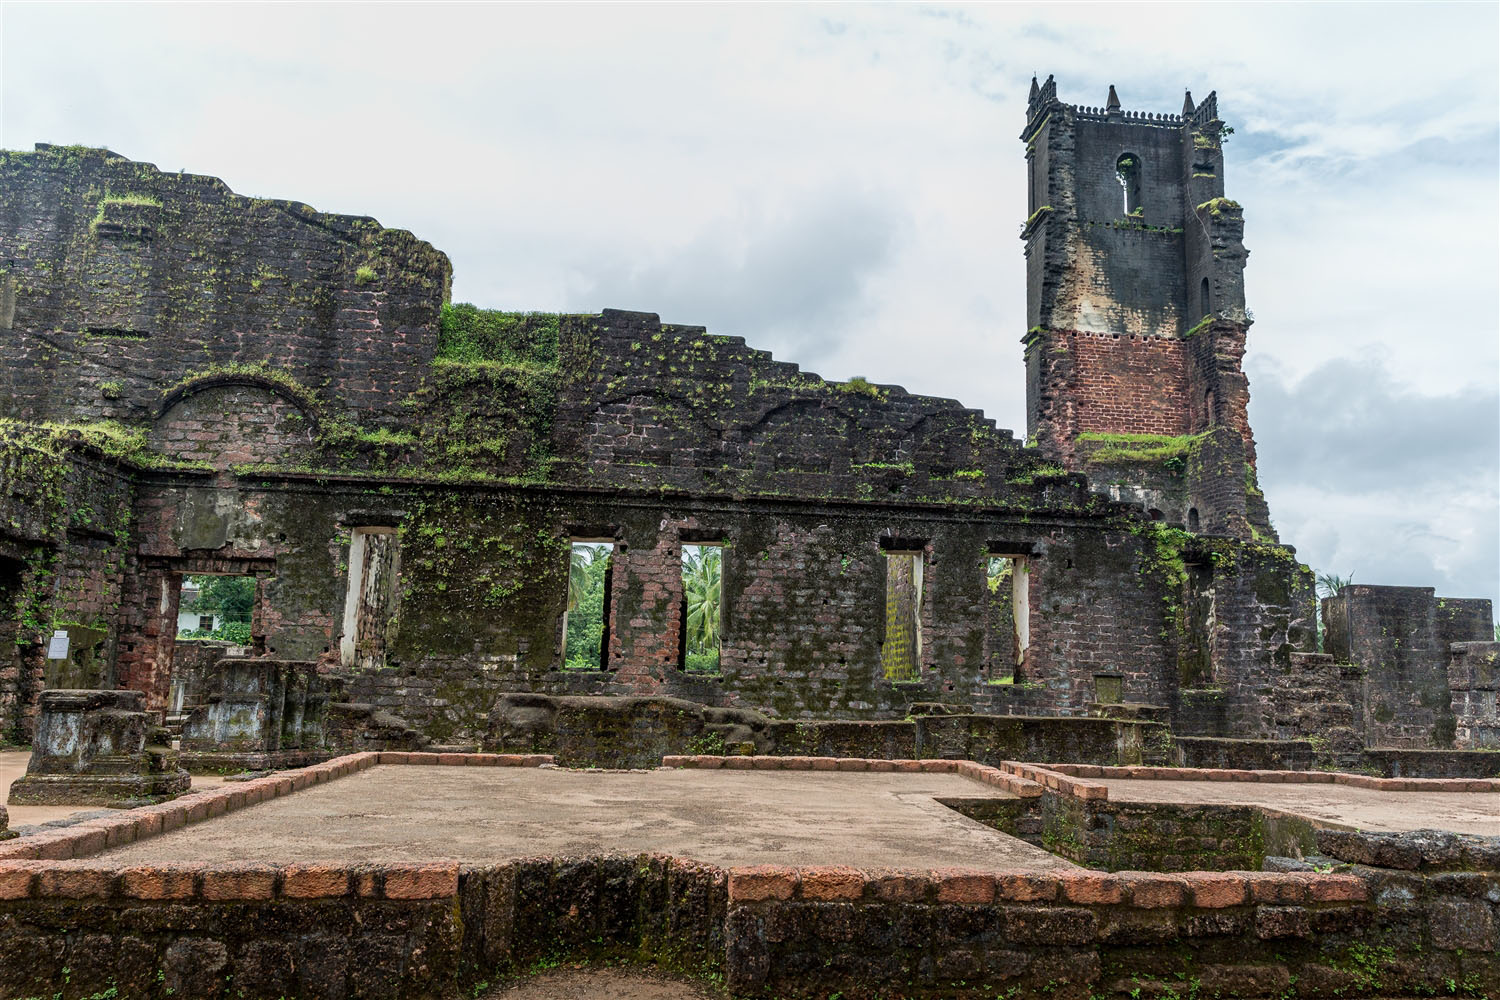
190,621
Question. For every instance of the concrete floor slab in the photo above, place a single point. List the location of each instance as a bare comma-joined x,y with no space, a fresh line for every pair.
417,813
1362,808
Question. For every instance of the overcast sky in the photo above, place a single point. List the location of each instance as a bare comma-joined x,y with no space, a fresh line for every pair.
844,186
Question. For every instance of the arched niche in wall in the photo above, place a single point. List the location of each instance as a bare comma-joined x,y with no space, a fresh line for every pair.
225,420
647,428
801,435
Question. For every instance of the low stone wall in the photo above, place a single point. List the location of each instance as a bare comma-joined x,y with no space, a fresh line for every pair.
1017,785
815,932
1416,850
423,930
1257,755
1160,837
606,731
1434,763
76,929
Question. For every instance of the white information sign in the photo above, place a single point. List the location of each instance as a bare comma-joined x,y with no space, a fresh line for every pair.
57,649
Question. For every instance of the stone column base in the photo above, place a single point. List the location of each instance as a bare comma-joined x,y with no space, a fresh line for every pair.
116,790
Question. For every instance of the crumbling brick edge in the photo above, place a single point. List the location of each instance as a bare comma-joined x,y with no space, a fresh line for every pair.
95,835
247,882
1084,771
1021,787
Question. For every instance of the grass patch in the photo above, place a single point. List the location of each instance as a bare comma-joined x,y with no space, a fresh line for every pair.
1140,447
1034,473
1199,327
129,199
1218,206
861,386
128,444
470,335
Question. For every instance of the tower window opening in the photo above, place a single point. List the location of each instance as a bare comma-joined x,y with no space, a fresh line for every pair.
1205,297
1128,171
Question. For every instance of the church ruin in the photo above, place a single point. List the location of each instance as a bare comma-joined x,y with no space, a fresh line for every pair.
589,638
197,382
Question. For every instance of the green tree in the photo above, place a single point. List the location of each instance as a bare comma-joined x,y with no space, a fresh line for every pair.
578,574
1329,584
230,597
702,575
583,645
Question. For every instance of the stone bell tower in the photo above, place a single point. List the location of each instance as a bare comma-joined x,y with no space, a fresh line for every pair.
1135,303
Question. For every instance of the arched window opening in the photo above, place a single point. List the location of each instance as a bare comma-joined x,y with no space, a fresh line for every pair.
1210,414
1128,170
1204,298
1193,522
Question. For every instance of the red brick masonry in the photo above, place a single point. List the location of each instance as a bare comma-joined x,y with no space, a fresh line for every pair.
1143,890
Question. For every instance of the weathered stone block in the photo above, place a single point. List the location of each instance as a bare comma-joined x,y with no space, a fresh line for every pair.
91,749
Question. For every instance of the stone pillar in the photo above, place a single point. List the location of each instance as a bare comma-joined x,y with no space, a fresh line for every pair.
262,714
92,748
1474,682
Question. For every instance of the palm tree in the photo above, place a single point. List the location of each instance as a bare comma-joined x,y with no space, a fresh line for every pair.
580,577
1329,584
702,571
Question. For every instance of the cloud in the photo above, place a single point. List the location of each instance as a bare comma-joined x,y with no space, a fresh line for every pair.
796,272
1365,475
843,185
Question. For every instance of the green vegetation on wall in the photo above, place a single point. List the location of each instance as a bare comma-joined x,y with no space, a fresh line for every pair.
1140,447
469,334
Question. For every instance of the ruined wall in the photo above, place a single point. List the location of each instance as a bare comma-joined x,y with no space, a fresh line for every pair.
337,395
415,930
64,520
1401,637
126,280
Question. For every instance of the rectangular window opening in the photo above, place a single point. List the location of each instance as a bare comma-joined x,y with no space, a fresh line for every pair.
586,621
216,607
370,603
901,652
1007,580
702,616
